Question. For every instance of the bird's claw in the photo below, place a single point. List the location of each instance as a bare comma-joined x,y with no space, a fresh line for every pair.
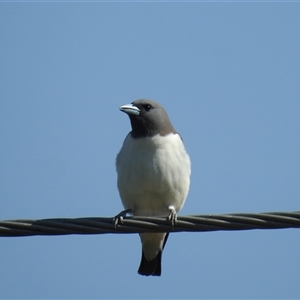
119,217
172,217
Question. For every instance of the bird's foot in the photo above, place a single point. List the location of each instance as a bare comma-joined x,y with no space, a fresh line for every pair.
119,217
172,215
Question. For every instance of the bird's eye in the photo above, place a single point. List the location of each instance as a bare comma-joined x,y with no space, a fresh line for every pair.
147,107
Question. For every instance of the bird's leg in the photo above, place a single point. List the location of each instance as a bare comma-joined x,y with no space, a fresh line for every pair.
172,215
119,217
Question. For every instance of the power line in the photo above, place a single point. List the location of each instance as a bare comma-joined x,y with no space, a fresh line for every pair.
194,223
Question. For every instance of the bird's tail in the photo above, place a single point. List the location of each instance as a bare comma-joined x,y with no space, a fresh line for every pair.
152,267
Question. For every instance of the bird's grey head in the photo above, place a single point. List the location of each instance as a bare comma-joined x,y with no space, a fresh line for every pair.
148,118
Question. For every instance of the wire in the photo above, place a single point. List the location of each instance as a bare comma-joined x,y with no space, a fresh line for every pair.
197,223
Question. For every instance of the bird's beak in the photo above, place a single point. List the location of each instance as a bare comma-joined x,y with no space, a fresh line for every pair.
130,109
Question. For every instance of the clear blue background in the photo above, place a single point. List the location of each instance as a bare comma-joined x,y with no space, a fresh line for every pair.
229,76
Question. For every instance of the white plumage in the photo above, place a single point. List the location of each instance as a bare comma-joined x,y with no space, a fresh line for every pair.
153,174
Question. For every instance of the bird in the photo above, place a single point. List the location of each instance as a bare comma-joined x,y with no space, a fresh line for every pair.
153,170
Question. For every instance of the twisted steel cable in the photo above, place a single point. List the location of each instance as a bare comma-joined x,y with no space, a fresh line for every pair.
198,223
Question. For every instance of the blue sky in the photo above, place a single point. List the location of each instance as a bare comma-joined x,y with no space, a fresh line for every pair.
227,73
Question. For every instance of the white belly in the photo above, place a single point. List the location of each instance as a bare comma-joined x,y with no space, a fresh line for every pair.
153,173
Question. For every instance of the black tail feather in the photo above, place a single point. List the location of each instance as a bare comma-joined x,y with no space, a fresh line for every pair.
152,267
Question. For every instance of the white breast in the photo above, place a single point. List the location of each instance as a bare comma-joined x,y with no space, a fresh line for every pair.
153,173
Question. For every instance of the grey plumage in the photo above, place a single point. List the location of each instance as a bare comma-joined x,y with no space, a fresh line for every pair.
152,119
153,174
